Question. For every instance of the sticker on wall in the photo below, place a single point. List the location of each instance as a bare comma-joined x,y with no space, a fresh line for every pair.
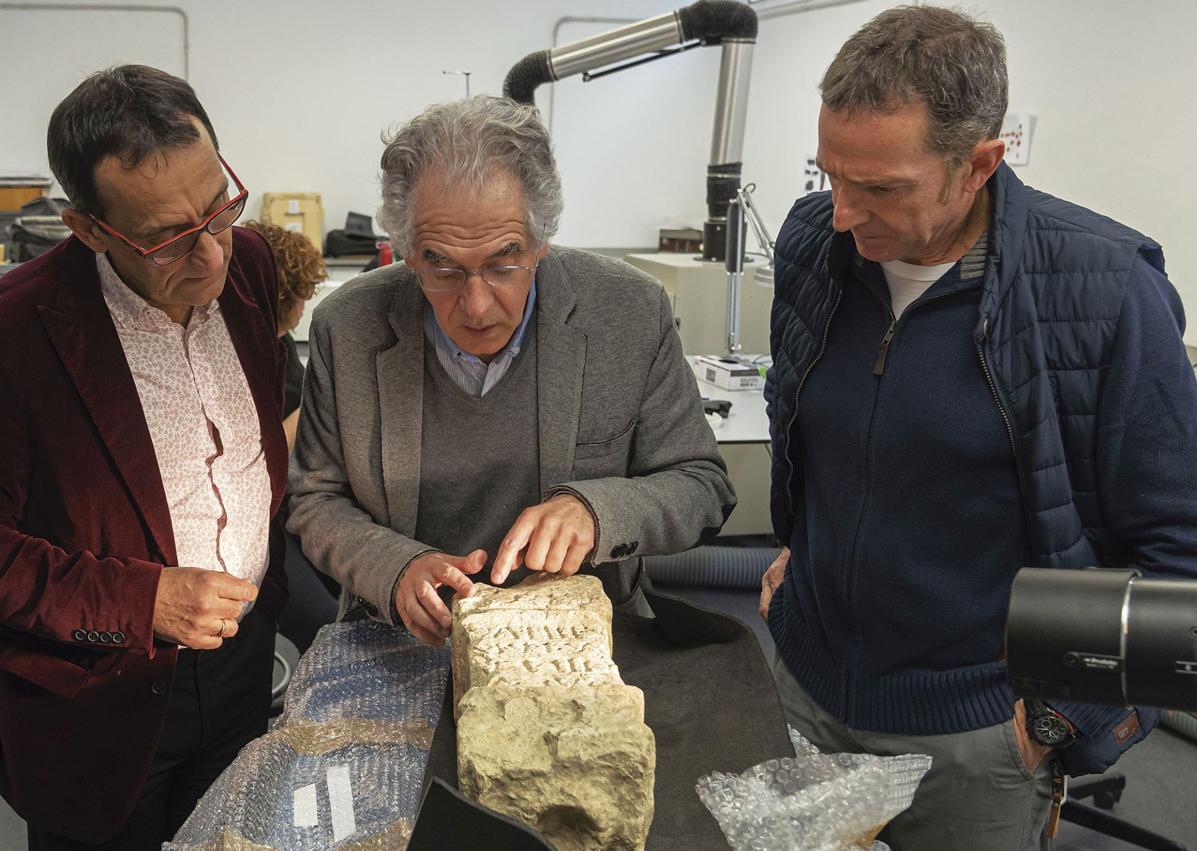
813,179
1016,133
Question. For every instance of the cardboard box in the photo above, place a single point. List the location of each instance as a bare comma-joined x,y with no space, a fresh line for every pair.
13,197
728,373
297,211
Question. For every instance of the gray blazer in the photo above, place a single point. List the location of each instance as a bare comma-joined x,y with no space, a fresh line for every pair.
620,421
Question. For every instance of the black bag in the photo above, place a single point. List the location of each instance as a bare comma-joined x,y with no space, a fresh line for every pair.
37,228
34,235
338,243
357,237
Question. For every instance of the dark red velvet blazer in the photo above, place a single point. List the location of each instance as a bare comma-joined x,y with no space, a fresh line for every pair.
85,530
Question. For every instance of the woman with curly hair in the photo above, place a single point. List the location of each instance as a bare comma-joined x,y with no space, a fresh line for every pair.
300,269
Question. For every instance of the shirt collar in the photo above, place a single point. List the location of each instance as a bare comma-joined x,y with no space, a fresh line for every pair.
130,310
445,342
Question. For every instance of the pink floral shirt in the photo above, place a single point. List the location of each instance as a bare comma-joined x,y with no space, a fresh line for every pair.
204,428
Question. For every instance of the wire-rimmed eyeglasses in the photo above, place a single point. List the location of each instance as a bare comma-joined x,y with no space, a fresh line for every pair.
448,279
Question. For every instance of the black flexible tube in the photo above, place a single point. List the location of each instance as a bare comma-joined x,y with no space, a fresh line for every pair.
526,75
712,567
716,19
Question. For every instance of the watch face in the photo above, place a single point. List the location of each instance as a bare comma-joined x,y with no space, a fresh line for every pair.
1050,730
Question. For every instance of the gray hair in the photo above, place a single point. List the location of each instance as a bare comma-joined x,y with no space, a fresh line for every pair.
941,58
466,142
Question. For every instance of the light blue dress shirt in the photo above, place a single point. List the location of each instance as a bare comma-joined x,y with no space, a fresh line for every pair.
468,371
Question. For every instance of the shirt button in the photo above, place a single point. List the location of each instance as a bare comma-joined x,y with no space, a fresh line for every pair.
93,636
159,687
105,637
79,635
118,638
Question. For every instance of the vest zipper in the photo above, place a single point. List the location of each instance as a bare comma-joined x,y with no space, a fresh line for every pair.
879,365
998,399
797,393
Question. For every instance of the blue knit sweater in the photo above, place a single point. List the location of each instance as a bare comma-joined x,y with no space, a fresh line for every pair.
1046,415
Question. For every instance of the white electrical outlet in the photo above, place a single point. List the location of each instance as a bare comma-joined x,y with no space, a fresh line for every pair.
1016,133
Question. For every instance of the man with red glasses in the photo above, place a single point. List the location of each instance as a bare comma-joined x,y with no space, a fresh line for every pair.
143,461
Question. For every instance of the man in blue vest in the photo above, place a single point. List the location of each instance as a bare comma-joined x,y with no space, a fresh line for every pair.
969,377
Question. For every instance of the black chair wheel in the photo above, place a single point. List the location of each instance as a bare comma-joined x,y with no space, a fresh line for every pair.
1107,799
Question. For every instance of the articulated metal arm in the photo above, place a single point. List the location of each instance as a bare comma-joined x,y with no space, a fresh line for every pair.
724,22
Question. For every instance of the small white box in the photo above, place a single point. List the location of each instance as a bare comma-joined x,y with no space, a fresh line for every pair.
728,373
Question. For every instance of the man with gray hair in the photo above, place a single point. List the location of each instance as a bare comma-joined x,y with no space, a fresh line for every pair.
969,377
493,402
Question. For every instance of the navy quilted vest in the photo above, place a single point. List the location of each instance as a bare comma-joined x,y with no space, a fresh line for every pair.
1044,346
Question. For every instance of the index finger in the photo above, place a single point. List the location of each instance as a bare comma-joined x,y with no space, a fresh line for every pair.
516,540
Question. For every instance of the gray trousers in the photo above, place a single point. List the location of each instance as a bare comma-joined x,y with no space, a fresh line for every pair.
978,794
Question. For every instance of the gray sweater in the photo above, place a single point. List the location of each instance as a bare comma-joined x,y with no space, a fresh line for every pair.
619,422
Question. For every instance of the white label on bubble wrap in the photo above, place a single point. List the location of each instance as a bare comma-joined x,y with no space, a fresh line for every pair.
340,800
305,806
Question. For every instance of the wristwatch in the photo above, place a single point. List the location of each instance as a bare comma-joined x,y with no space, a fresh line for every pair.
1047,726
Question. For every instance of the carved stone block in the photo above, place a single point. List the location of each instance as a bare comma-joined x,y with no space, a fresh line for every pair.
548,629
577,765
547,731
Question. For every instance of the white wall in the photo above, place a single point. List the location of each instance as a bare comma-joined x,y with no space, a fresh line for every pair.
1111,84
299,92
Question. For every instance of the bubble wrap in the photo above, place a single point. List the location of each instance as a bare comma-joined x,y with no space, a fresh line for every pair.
814,801
342,767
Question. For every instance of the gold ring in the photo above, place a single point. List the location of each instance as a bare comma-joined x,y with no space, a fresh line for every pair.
224,625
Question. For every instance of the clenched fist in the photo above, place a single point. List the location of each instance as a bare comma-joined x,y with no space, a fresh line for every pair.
199,608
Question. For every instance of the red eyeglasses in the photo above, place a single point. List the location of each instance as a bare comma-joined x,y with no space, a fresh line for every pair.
180,245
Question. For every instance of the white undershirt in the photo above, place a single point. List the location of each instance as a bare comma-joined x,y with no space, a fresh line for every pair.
907,281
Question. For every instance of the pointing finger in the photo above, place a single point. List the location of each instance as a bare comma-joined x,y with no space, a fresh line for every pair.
516,540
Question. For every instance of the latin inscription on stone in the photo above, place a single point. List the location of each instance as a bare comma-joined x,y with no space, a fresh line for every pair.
548,732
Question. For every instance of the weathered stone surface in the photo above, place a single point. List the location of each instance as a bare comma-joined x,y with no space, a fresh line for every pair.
546,630
575,764
539,592
547,731
531,648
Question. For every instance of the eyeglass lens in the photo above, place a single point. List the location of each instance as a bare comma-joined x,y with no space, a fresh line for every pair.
443,279
174,250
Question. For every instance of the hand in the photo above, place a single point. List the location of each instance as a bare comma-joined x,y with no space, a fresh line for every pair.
423,611
199,608
771,580
555,536
1031,751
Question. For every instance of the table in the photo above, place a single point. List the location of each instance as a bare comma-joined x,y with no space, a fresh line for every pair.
743,440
